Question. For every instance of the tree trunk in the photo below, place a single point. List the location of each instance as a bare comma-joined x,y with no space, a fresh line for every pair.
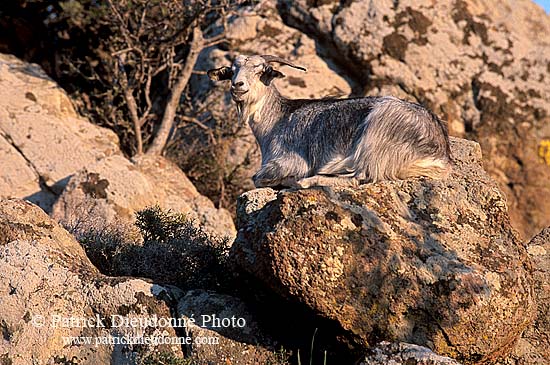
167,122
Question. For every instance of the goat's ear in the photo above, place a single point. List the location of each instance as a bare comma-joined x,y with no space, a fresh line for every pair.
269,74
219,74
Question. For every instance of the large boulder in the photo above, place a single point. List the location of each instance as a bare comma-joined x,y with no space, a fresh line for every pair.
476,64
55,307
44,142
42,139
115,188
428,262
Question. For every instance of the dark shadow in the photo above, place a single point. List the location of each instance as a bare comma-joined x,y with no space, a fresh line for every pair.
44,199
30,69
295,326
47,196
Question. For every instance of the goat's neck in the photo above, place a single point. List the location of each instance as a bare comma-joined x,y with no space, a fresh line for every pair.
263,114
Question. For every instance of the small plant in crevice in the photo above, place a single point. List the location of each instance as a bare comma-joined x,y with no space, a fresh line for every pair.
157,225
299,359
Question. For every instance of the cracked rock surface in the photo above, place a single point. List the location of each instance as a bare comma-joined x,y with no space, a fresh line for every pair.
46,279
432,263
42,139
74,169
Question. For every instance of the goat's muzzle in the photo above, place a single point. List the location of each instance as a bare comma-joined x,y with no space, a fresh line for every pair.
237,94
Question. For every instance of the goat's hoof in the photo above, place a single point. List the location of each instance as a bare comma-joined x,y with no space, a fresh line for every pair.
303,184
264,183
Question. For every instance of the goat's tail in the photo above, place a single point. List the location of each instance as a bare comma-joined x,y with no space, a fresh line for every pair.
430,167
397,140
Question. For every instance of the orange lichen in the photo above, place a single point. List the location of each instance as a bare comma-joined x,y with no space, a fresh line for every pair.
544,151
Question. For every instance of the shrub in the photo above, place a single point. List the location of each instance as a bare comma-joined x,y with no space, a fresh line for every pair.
172,250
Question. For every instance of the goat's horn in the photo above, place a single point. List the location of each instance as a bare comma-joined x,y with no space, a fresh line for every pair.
270,58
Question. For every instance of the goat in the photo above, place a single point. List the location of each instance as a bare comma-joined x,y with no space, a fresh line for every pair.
333,142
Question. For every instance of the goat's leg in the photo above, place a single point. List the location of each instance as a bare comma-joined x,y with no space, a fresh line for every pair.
321,180
284,171
287,182
270,176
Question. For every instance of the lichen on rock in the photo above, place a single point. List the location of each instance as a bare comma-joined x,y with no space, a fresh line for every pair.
433,263
55,306
478,65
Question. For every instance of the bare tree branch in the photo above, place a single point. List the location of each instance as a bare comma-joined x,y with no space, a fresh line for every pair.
201,125
148,57
147,93
132,107
167,122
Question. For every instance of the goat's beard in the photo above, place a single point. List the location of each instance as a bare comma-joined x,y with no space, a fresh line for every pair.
239,108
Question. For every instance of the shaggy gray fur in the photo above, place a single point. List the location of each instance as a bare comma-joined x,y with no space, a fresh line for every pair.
334,141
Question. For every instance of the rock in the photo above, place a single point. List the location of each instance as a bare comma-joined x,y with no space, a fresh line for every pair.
404,354
224,331
53,301
43,143
115,188
476,64
18,177
43,137
534,346
432,263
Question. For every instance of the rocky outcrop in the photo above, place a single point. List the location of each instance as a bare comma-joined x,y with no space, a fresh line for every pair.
403,354
476,64
42,139
43,143
432,263
534,346
55,307
114,188
223,330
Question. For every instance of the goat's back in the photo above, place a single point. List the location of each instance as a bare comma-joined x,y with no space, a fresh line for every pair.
372,138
